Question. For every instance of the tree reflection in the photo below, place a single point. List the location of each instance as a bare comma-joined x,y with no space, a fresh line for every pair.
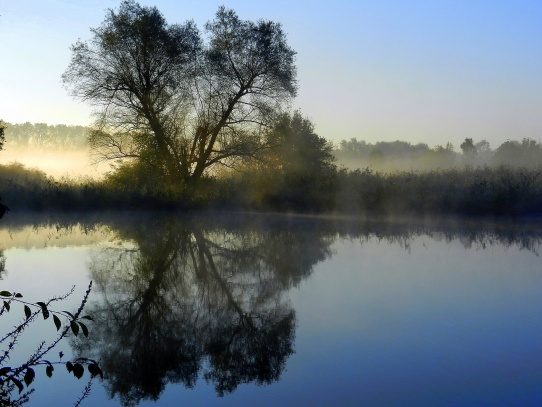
2,264
187,300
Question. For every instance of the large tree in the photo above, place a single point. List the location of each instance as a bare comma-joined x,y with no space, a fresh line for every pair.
177,100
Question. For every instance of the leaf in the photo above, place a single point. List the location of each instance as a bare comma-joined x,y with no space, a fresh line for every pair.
18,384
95,370
49,370
29,376
5,293
5,370
74,327
57,322
6,306
84,328
69,366
18,295
70,314
44,309
27,311
87,317
60,354
78,370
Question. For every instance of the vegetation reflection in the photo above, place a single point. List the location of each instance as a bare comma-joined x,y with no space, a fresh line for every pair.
188,301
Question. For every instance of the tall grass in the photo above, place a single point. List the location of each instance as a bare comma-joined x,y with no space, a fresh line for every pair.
501,191
482,191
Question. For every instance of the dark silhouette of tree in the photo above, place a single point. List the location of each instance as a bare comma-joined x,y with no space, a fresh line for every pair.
297,148
469,150
174,102
187,294
300,167
2,135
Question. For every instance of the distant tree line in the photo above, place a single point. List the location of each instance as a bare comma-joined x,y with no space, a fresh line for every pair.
402,155
60,136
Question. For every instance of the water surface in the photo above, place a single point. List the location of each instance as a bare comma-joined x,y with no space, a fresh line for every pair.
269,310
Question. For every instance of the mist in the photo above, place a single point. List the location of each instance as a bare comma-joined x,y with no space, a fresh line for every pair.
59,151
397,156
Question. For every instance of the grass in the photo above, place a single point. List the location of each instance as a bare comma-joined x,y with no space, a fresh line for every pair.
483,191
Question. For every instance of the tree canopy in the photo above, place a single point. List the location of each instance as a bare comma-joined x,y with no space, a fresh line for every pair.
178,100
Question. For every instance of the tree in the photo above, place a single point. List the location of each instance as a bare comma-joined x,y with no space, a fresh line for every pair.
300,164
528,153
167,97
468,148
296,146
2,136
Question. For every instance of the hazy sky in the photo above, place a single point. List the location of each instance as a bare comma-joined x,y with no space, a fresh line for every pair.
422,71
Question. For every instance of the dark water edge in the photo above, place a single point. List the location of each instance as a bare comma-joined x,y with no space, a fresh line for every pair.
341,224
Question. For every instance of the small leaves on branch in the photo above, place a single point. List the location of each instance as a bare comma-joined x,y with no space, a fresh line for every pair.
95,370
29,376
57,322
78,369
49,370
44,309
27,312
73,321
24,375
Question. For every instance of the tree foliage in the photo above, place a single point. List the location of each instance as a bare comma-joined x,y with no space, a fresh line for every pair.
297,148
300,164
167,96
2,136
468,147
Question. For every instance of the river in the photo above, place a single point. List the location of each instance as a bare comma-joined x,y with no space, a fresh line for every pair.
276,310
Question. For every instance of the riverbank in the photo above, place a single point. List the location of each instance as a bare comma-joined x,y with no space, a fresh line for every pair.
475,192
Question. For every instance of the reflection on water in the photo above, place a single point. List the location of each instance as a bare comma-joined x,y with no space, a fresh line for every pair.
180,299
192,300
2,264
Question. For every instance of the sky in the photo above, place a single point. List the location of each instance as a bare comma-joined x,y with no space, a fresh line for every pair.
433,71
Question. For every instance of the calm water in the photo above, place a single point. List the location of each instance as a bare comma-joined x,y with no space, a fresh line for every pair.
277,311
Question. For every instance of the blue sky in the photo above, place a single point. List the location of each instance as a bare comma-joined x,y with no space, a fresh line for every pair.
419,71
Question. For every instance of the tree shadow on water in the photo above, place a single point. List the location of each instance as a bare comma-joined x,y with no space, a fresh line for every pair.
189,301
